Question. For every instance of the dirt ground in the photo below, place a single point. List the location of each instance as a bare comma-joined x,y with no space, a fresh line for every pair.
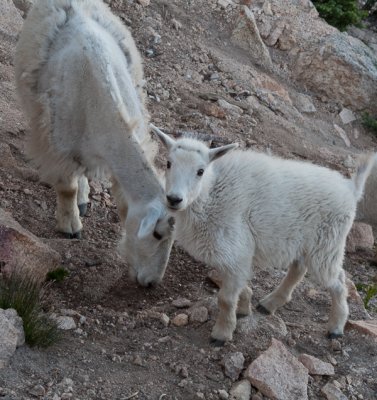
122,349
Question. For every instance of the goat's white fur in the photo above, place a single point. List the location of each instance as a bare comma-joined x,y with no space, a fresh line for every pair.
80,77
251,208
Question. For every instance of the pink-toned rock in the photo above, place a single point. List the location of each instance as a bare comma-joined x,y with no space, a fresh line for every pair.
180,320
315,365
353,294
367,327
278,374
23,253
360,237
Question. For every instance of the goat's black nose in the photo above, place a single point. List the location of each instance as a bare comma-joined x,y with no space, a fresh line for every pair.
174,200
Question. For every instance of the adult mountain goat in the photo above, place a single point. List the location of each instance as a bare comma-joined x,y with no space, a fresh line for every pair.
239,208
79,77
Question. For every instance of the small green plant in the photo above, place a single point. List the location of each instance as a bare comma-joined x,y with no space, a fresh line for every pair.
369,122
58,274
340,13
370,291
24,295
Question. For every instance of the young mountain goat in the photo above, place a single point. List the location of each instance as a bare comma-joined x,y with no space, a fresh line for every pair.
235,209
79,77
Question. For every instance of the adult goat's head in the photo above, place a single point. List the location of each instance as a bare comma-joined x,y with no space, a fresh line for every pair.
147,242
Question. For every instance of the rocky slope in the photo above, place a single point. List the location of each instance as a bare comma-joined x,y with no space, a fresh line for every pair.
268,74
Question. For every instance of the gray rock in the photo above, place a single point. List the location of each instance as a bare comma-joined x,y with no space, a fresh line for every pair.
246,35
199,314
11,335
332,392
230,108
223,394
278,374
66,323
181,302
347,116
38,391
343,135
304,103
270,324
233,365
241,390
17,322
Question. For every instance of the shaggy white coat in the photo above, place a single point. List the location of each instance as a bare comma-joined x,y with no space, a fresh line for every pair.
251,208
79,77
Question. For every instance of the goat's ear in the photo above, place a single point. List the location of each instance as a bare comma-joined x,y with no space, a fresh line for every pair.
165,139
220,151
148,223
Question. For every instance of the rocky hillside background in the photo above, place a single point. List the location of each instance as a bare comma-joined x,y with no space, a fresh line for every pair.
270,75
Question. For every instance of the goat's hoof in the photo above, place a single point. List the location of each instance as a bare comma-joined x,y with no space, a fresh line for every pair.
333,335
83,208
240,315
76,235
262,309
217,342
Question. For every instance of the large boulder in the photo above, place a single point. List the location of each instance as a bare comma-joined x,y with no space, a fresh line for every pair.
11,119
367,207
328,62
10,26
23,253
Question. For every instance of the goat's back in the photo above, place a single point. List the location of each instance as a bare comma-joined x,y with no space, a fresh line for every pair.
289,205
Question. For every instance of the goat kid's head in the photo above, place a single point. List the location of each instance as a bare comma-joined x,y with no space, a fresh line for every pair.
147,243
188,165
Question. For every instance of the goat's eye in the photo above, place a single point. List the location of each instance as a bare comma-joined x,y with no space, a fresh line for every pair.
168,165
200,172
157,235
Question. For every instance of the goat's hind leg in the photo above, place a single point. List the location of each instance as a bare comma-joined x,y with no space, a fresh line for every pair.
83,195
283,293
67,213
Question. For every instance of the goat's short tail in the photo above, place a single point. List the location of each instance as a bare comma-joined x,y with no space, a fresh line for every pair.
363,169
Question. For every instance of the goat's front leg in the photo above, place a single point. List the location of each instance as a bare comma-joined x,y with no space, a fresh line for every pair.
228,296
83,195
68,216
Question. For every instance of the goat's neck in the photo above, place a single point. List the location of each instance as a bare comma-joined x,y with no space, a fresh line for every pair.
122,153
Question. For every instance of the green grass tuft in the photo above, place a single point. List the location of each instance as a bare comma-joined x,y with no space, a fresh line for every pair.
57,275
24,295
369,122
369,291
